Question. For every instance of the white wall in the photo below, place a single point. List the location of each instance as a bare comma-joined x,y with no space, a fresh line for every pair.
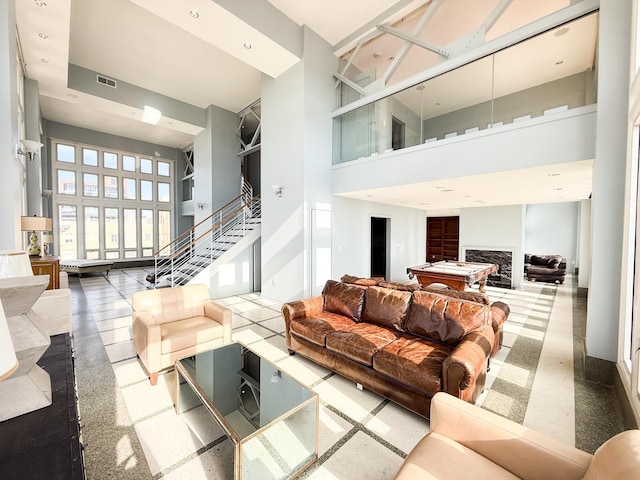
495,228
296,154
552,229
352,238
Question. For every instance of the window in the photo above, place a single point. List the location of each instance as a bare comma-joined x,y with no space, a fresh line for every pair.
68,230
146,165
66,182
163,169
129,188
111,229
110,160
130,228
90,157
146,190
164,194
66,153
128,163
91,229
110,187
90,181
105,202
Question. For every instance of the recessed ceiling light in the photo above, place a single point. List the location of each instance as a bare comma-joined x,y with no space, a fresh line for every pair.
437,104
561,31
44,60
377,54
194,14
467,196
559,62
247,46
392,58
557,189
43,36
40,3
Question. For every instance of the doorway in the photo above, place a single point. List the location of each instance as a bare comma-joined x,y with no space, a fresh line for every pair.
397,134
380,246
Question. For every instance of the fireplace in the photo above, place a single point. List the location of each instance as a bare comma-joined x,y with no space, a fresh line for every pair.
503,258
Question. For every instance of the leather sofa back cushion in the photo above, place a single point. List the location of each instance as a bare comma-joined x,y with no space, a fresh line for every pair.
444,319
386,307
406,287
343,299
367,282
477,297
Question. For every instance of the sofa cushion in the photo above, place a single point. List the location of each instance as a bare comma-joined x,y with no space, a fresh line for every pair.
360,341
315,328
554,261
533,270
344,299
366,282
405,287
444,319
477,297
386,307
413,361
188,332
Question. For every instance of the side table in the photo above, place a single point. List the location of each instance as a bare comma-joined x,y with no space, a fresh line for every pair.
48,265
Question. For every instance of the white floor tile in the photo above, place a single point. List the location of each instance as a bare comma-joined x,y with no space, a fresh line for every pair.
343,395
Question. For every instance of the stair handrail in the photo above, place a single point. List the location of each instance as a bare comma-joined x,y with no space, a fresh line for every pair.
185,247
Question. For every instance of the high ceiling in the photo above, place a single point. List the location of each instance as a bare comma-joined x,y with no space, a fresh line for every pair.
160,46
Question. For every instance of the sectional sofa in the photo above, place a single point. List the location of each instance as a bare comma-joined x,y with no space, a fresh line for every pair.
403,345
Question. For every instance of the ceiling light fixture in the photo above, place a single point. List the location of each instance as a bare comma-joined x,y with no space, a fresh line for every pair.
247,46
194,14
559,62
151,115
43,36
40,3
44,60
377,54
392,58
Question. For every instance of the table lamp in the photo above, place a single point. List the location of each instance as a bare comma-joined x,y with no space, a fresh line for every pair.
35,224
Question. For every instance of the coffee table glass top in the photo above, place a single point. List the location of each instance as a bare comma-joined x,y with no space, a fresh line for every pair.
271,419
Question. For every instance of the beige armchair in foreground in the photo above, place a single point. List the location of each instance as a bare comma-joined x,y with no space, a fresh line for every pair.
467,442
172,323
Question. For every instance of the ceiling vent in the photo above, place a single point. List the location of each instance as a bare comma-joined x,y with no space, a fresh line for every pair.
109,82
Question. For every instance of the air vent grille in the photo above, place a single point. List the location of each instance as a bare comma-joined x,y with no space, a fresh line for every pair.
109,82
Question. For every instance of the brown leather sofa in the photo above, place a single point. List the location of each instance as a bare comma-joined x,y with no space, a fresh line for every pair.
545,268
405,346
466,442
499,310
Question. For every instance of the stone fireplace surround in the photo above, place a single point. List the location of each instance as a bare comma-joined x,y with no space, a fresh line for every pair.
503,257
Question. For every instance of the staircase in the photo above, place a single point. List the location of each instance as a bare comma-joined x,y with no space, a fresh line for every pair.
197,248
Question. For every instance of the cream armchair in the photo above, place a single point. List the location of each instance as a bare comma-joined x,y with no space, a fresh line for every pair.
466,441
172,323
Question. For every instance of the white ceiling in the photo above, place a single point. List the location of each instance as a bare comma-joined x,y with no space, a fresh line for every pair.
157,45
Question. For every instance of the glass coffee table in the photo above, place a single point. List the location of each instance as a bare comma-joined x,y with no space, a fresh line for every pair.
271,419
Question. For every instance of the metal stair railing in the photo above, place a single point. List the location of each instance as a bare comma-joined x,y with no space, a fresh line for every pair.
191,251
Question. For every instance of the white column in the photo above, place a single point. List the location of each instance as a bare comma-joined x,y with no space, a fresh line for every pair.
607,204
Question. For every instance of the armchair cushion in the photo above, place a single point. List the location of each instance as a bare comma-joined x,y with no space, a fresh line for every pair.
187,333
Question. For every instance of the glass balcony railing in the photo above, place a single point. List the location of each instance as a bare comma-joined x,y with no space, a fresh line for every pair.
544,75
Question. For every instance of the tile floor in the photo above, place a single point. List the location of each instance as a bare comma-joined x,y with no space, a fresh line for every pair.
130,429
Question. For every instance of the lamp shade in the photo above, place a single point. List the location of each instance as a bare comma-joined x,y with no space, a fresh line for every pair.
8,360
36,224
14,263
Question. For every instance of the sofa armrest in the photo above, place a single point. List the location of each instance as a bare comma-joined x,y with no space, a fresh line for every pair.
464,370
301,308
220,314
526,453
147,339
